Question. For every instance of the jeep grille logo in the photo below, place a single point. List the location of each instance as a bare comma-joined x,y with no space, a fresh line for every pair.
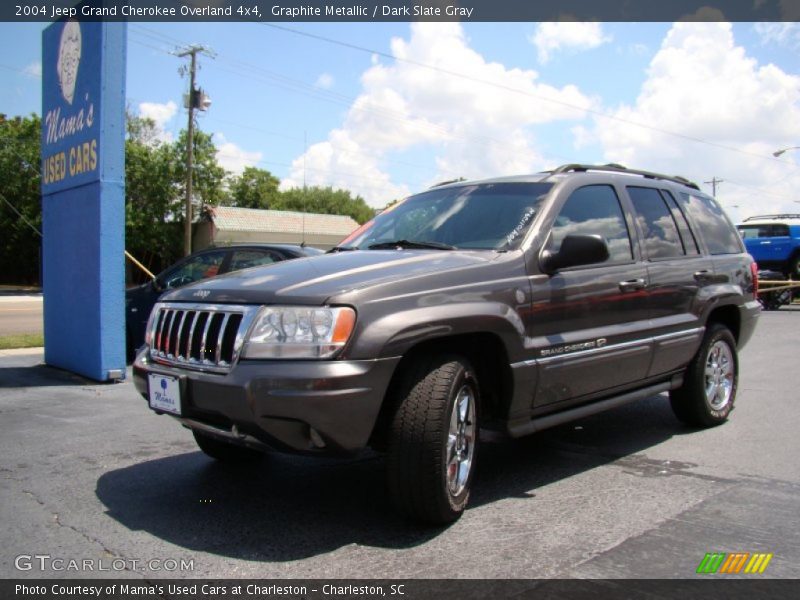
201,293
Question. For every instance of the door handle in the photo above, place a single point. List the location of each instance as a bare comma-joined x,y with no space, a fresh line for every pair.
703,276
632,285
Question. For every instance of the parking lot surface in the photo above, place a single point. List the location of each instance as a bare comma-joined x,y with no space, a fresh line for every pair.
89,473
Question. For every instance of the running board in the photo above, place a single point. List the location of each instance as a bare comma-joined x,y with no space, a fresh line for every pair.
551,420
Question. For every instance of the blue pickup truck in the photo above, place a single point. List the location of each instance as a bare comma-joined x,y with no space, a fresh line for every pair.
774,242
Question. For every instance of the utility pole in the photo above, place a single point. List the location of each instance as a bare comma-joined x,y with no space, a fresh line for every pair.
192,105
714,181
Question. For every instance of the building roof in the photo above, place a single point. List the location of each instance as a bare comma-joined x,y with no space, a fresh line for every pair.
231,218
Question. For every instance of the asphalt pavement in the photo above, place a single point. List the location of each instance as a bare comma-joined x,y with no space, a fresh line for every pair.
89,473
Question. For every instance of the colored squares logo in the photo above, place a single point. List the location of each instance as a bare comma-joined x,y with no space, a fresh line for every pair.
732,563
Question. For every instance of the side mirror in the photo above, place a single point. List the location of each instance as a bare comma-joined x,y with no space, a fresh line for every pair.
157,285
576,250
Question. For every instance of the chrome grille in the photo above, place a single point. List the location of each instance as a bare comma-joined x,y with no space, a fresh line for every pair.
206,337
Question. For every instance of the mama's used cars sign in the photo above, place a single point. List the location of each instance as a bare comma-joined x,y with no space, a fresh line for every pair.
71,121
83,197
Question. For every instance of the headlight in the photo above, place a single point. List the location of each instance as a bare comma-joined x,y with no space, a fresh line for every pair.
299,332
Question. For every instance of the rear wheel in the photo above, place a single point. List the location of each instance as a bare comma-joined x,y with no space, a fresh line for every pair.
224,451
709,389
433,440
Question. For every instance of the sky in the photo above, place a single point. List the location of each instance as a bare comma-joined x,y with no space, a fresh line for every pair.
388,109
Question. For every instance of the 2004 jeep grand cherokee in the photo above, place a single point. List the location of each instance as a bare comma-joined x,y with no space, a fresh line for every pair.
510,304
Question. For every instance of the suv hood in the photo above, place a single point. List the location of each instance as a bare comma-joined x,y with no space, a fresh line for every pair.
315,280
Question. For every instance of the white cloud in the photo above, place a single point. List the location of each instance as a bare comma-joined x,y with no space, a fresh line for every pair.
474,128
340,162
160,113
782,34
553,37
33,70
702,85
233,158
325,81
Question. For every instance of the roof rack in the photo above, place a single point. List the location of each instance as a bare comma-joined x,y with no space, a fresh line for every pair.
616,168
448,182
780,216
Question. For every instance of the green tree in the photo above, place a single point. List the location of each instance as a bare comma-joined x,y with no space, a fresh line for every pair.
254,188
325,200
153,204
208,179
20,199
155,173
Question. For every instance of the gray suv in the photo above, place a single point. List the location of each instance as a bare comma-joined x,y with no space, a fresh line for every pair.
506,305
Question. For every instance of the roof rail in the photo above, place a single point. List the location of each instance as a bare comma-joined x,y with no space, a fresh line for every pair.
448,182
780,216
616,168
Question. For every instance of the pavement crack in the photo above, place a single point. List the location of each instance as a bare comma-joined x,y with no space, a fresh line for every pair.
56,519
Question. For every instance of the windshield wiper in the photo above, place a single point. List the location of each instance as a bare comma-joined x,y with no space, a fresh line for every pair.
342,249
411,245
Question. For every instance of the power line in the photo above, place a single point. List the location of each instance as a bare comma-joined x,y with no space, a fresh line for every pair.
20,215
254,73
290,83
514,90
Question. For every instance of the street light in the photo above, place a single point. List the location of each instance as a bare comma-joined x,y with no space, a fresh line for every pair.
777,153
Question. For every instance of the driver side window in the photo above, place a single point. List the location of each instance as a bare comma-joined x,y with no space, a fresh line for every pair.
593,209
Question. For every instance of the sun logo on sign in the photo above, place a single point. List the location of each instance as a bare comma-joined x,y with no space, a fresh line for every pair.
69,57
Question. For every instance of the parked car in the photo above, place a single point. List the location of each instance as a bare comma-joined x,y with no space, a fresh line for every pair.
774,242
508,305
139,300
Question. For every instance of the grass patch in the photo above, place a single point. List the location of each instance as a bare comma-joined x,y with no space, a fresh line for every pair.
22,340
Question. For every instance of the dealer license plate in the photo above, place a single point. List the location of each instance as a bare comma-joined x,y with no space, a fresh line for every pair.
164,393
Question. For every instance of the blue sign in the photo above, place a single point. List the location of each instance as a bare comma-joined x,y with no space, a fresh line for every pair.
83,197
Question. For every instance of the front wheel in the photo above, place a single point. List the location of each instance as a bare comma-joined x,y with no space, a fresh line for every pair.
433,439
709,389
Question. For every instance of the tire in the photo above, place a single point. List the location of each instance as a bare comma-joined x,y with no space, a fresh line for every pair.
433,439
709,388
225,452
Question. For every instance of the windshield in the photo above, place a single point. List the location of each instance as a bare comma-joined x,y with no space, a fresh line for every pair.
490,216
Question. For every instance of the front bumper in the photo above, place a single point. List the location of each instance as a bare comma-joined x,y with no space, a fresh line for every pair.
278,403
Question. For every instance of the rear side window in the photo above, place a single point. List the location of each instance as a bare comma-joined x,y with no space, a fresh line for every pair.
764,230
717,231
689,241
594,209
659,230
244,259
779,231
